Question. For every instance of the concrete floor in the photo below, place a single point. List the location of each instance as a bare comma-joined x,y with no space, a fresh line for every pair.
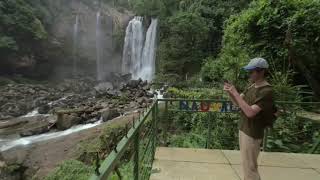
202,164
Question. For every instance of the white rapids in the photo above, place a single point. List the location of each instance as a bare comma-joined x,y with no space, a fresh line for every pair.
6,144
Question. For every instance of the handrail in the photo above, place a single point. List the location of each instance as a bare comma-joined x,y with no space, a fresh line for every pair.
141,171
112,159
226,100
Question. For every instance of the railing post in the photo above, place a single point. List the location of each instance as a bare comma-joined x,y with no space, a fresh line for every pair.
315,147
265,139
154,128
166,123
209,131
136,155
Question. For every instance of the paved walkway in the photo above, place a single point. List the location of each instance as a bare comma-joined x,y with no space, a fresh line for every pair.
202,164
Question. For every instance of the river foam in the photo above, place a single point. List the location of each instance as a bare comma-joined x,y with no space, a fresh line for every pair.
6,144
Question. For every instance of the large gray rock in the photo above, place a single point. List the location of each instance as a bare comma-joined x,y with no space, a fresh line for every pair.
103,87
142,100
134,83
36,128
44,109
108,114
65,121
27,126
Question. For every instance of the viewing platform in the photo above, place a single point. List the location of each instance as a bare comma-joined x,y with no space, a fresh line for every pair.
206,164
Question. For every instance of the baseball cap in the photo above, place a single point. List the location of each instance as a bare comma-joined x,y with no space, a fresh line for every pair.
256,63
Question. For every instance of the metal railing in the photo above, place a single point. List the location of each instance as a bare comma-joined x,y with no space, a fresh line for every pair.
140,143
133,156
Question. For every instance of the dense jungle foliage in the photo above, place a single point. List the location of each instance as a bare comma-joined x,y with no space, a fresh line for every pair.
204,42
291,132
214,39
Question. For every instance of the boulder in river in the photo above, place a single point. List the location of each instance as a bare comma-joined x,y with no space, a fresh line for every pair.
108,114
27,126
65,121
38,128
44,109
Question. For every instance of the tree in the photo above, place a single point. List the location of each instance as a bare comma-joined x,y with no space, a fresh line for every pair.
263,30
19,27
181,49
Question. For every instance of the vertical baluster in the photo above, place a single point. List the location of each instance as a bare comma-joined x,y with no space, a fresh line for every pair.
136,155
153,139
166,123
265,139
210,118
97,164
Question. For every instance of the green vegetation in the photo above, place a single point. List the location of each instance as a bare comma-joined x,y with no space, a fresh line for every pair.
71,169
20,27
86,152
191,31
289,134
284,32
216,38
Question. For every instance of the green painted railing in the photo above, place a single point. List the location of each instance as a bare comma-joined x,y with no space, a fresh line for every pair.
140,141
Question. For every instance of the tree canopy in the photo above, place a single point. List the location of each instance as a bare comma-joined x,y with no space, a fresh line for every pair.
285,32
19,27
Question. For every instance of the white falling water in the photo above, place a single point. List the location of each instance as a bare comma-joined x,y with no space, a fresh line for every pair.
133,45
147,69
75,43
139,55
98,47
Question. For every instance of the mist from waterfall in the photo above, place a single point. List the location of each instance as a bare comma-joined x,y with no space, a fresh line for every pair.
147,65
98,48
75,44
133,45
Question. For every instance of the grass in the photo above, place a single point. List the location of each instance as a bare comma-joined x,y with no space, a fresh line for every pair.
71,170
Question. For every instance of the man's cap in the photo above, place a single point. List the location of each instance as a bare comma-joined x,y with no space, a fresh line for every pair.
256,63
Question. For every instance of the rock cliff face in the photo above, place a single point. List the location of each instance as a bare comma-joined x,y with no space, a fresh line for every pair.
83,47
64,50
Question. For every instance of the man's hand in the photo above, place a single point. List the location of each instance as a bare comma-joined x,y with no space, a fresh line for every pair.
229,88
249,111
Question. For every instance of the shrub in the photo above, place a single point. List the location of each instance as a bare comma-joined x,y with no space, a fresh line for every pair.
70,170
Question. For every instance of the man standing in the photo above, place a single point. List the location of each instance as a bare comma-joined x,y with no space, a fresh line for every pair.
257,112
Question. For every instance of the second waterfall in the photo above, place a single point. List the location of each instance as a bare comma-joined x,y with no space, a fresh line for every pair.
139,50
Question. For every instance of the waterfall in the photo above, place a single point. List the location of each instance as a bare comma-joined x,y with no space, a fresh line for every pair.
133,45
98,47
139,55
147,69
75,44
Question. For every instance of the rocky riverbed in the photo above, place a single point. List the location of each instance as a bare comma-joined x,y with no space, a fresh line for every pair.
40,113
31,109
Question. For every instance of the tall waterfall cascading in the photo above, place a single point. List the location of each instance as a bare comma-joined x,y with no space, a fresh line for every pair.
139,55
147,66
98,47
133,45
75,44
